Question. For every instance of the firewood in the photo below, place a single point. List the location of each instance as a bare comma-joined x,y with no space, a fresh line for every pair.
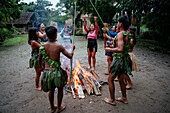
80,92
96,89
86,84
95,74
74,96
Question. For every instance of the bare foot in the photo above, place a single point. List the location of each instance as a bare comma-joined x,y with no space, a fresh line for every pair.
106,73
53,110
38,88
93,68
110,101
124,100
116,79
55,106
129,85
62,107
89,67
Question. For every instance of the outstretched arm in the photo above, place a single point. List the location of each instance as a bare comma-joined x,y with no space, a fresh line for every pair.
71,32
96,25
106,36
65,24
67,54
85,28
95,19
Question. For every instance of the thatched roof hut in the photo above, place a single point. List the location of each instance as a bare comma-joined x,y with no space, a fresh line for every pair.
26,20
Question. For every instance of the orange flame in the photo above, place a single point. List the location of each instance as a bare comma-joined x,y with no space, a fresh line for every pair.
76,78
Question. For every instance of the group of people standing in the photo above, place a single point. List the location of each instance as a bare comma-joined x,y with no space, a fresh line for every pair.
46,51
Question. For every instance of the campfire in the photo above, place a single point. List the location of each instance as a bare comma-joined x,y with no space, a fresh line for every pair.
83,81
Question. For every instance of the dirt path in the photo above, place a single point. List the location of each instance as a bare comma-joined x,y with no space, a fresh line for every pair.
150,94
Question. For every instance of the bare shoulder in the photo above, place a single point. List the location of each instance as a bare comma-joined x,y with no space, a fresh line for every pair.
33,41
120,35
59,46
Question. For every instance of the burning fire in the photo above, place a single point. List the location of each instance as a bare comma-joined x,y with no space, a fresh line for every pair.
81,77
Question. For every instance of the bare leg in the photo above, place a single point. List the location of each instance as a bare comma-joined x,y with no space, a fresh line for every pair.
109,60
60,97
94,58
123,90
130,84
38,73
89,58
51,99
111,90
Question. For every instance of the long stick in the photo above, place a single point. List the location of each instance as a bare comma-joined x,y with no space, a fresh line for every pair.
99,16
73,44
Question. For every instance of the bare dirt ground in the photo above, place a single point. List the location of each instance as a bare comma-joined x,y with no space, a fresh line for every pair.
150,94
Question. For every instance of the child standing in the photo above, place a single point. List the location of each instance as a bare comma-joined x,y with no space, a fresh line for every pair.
109,55
131,34
53,76
33,35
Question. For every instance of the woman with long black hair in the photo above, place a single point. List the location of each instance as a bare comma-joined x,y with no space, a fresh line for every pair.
33,35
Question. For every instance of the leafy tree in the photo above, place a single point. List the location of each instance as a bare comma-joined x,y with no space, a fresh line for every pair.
40,8
106,8
153,13
9,10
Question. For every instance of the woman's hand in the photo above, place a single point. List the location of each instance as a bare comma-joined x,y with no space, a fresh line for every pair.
95,18
84,18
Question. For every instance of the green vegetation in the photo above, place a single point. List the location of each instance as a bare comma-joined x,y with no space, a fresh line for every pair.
153,45
144,28
16,40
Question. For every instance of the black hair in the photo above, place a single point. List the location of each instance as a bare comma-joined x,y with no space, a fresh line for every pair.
115,27
134,37
51,31
132,28
39,25
32,35
125,21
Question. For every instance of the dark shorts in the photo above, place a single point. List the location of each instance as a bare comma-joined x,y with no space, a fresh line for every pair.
109,54
92,43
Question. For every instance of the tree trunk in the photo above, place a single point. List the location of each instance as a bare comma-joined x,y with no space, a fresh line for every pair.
129,13
138,29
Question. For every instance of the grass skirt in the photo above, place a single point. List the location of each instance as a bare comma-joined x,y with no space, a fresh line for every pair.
121,66
52,78
134,62
33,62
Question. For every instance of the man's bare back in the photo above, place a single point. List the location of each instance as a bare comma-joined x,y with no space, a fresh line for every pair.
53,50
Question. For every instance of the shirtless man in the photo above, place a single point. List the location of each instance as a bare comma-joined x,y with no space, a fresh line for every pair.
121,65
53,76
